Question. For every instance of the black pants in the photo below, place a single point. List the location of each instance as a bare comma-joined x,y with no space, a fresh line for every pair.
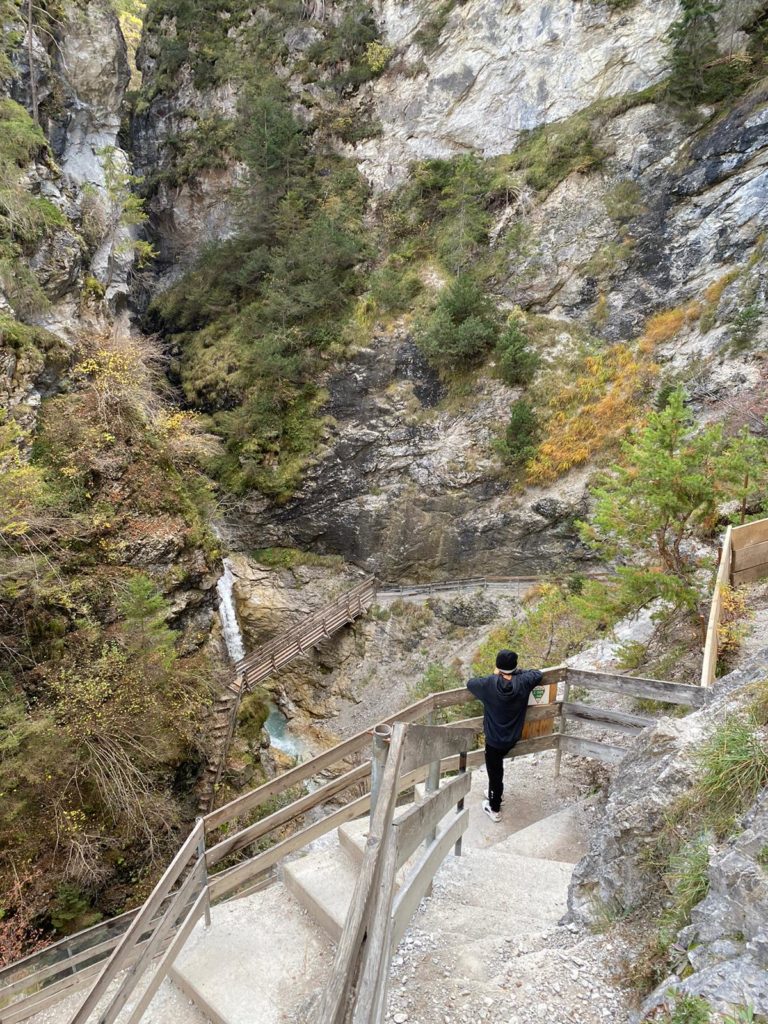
494,763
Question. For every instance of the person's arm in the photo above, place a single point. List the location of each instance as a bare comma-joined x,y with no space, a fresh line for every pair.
530,678
476,687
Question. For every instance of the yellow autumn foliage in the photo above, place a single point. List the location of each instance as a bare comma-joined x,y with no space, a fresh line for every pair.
593,412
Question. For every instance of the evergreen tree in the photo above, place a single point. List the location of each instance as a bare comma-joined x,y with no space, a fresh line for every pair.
693,39
516,360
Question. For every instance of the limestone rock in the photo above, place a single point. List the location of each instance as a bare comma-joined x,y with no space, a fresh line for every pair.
727,941
492,74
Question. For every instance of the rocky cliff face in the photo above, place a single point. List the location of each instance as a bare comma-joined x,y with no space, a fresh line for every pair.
663,216
407,488
497,70
724,955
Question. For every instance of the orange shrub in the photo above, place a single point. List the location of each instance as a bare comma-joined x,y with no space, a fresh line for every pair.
663,326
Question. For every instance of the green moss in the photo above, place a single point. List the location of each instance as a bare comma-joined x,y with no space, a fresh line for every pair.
435,18
20,137
290,558
548,154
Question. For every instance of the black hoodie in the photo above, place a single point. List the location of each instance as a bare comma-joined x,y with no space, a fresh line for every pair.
504,704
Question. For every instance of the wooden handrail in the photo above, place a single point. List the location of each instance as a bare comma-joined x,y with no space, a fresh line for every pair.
743,559
118,961
356,990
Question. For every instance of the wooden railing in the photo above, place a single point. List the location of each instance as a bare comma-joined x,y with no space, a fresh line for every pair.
270,657
377,915
743,559
219,848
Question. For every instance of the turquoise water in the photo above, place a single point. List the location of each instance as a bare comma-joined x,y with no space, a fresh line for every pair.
279,733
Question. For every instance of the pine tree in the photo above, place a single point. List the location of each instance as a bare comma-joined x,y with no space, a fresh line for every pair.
693,39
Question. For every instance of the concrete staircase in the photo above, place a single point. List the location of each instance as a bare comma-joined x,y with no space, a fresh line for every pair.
267,955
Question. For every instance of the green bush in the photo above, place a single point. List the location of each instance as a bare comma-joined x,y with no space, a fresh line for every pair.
517,362
734,768
394,288
521,434
461,329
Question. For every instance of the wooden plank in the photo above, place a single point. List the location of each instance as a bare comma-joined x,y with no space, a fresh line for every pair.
117,961
632,686
590,748
757,572
331,1008
711,643
416,884
412,827
249,835
374,972
231,879
62,966
749,534
427,743
195,879
58,990
621,720
748,557
158,976
58,954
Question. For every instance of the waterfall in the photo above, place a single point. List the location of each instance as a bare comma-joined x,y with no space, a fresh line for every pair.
233,638
276,724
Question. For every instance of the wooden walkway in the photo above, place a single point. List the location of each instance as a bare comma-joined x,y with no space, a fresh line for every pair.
268,659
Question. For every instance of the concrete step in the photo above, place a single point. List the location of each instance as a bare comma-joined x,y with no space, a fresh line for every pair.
261,960
322,882
559,837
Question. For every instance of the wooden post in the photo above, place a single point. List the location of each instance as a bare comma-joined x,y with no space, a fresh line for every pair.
381,737
563,725
431,786
201,857
460,804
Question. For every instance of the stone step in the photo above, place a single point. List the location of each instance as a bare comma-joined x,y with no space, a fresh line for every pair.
260,962
322,882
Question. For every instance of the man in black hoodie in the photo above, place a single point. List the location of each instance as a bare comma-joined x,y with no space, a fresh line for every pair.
504,696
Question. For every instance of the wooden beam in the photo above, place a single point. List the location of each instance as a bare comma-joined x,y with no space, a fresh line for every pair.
748,557
307,770
228,881
162,934
632,686
749,534
757,572
427,743
590,748
118,961
173,950
621,720
253,832
333,1003
412,827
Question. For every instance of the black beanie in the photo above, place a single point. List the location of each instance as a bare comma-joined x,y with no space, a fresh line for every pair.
506,661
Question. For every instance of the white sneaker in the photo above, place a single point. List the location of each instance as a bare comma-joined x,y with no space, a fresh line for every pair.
493,815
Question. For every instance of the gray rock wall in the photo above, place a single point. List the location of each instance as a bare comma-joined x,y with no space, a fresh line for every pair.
726,944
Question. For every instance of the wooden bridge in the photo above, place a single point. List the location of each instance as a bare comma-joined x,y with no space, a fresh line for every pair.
123,961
